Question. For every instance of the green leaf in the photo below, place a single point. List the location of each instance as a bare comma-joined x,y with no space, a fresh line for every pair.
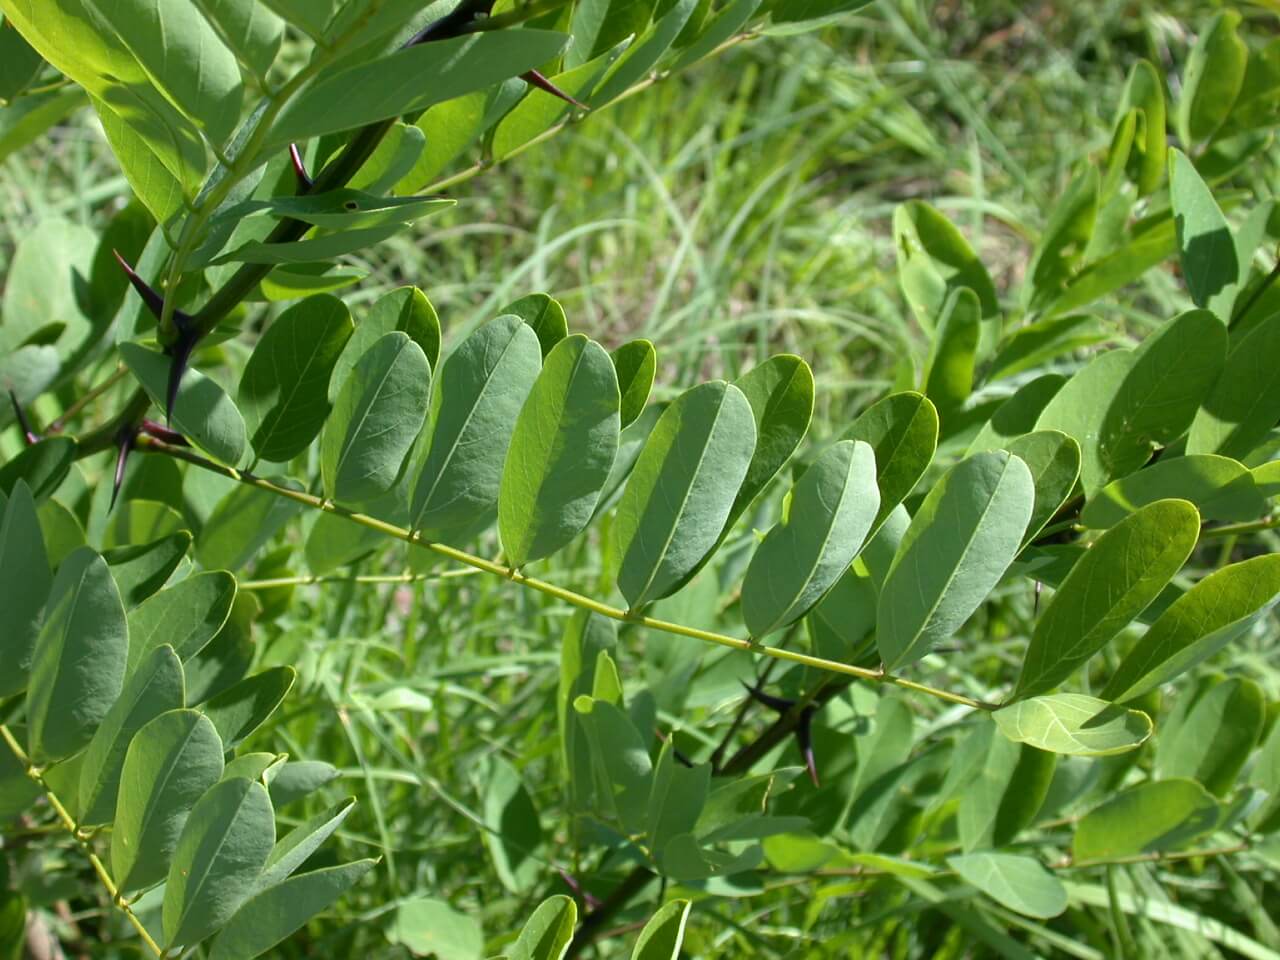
185,616
1144,92
242,523
406,309
225,659
61,531
597,25
902,429
1213,78
297,779
273,914
224,844
430,927
1218,732
832,508
343,209
1036,344
315,247
170,763
44,290
677,795
25,582
935,260
376,419
42,466
514,833
544,314
1219,487
1079,407
156,687
155,186
479,391
663,935
295,847
1171,372
561,452
1054,461
546,935
411,80
1151,817
142,569
948,377
1208,252
183,55
1020,883
1002,786
1244,404
780,392
1124,570
726,23
202,412
682,490
794,11
959,544
586,636
619,758
78,667
19,65
1073,724
285,385
1197,625
541,110
251,32
289,282
238,711
636,363
310,16
1062,245
644,54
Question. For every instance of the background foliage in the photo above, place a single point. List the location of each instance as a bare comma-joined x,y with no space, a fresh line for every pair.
949,205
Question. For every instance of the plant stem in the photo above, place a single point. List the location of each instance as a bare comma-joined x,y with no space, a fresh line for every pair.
93,394
69,824
1236,529
362,578
150,444
593,923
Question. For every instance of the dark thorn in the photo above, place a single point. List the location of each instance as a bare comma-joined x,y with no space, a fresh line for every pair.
780,704
27,433
153,300
804,740
180,351
164,434
573,885
124,446
300,169
536,79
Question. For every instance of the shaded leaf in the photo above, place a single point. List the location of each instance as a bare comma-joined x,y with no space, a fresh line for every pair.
78,667
223,846
959,544
562,449
185,616
1020,883
377,416
284,389
479,391
273,914
1155,816
682,490
171,762
155,687
25,582
832,508
662,937
1124,570
238,711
